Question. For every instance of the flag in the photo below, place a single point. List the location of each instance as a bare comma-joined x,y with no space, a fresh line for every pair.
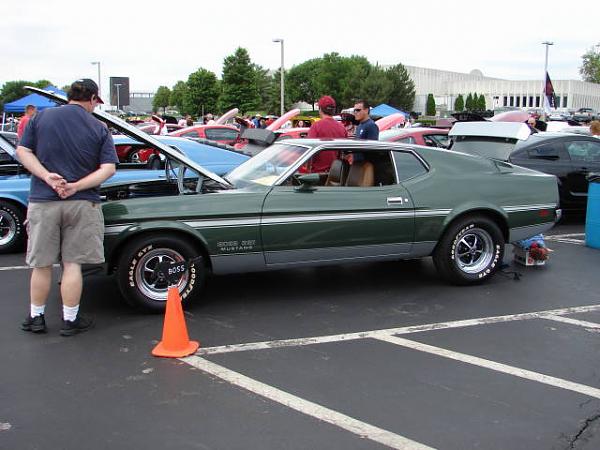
549,97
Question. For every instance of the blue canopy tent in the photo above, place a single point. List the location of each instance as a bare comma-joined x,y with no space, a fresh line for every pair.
18,106
384,110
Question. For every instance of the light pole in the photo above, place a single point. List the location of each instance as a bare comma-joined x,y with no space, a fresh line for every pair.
543,98
97,63
118,86
282,75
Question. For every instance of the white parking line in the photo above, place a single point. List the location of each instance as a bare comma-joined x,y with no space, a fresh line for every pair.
562,236
21,267
366,430
362,429
567,240
14,268
570,238
391,331
579,323
498,367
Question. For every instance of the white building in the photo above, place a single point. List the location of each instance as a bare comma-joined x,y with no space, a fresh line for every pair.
447,86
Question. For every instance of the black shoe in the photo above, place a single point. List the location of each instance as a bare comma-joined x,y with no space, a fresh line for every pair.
36,324
79,325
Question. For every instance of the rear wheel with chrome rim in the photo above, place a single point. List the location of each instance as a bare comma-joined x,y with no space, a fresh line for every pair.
470,250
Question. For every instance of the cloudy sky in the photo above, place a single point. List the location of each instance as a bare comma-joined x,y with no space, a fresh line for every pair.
158,45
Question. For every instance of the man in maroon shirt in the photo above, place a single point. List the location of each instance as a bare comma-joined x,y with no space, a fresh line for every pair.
327,127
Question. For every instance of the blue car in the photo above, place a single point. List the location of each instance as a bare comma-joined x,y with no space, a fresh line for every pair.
15,180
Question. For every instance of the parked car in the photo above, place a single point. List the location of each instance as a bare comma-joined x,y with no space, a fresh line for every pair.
10,137
291,133
431,137
153,128
15,179
224,134
396,201
585,115
569,156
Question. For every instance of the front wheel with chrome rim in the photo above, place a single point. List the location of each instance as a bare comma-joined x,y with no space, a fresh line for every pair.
470,251
12,229
138,276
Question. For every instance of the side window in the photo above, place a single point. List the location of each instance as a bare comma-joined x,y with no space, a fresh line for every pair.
408,165
406,140
221,134
339,168
546,151
191,134
584,151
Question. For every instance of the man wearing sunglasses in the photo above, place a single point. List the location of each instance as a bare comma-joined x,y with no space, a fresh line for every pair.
367,129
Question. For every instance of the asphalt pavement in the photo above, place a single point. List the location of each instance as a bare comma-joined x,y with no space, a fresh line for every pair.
365,356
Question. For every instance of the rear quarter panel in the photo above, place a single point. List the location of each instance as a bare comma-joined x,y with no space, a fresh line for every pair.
459,184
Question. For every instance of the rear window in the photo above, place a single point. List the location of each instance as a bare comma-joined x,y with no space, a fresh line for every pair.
490,147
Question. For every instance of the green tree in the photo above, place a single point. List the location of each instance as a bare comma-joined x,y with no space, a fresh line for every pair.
481,103
459,103
590,67
402,94
301,81
377,87
161,98
13,90
354,82
273,92
469,103
239,88
430,109
202,93
265,89
330,77
177,97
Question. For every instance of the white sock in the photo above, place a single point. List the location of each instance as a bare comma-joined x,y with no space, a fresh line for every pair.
70,312
37,310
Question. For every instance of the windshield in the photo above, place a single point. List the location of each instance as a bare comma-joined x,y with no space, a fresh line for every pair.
266,167
490,147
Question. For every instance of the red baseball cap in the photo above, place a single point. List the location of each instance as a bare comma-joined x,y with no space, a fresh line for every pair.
327,104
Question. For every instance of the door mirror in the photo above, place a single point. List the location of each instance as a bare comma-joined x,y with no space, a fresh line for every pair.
308,182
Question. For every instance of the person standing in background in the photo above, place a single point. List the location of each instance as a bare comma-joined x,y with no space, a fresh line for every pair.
30,110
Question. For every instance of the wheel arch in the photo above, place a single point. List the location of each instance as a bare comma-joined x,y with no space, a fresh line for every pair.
492,213
14,200
138,231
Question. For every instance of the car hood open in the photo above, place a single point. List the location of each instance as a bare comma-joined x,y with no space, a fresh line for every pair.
138,135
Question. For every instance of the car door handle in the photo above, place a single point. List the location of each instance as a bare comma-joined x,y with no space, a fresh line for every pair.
396,200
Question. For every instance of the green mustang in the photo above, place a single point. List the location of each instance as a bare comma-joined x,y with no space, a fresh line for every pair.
307,202
377,201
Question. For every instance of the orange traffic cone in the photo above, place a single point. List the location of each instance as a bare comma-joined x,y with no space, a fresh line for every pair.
175,340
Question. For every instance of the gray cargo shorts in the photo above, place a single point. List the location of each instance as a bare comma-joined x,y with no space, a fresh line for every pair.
68,231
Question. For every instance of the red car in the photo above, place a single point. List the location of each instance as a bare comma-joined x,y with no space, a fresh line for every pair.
224,134
291,133
133,153
152,127
431,137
